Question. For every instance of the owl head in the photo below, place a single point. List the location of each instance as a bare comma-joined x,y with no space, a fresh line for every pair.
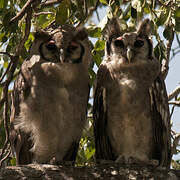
128,47
62,44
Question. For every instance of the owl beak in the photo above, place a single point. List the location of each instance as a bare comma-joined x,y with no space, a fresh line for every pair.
129,54
61,55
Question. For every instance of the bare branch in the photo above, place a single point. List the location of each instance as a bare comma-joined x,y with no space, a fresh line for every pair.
175,144
2,77
4,158
174,93
27,31
5,119
89,14
172,111
176,103
6,53
24,10
42,13
165,66
50,3
9,65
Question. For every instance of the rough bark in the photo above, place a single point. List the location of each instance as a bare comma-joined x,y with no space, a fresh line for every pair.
105,171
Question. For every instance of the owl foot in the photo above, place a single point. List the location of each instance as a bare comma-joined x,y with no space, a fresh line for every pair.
133,160
121,159
104,161
61,162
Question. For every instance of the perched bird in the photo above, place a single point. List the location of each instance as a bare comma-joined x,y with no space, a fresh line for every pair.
131,113
50,96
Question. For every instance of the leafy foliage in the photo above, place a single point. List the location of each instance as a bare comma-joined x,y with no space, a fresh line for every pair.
15,40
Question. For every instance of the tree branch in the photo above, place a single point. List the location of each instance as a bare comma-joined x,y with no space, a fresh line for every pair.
42,13
24,10
27,31
165,66
105,171
174,93
175,144
49,3
176,103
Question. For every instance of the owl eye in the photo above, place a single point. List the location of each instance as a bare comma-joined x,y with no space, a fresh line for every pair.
138,43
119,43
51,46
72,47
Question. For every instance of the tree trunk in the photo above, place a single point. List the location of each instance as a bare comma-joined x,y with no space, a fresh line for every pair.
105,171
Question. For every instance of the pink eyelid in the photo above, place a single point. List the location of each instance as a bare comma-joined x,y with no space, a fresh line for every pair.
51,42
119,38
73,43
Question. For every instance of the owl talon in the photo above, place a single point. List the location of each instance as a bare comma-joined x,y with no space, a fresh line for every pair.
103,161
121,159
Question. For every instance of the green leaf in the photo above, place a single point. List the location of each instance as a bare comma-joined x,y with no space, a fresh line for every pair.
2,3
62,12
133,13
99,46
13,161
5,65
177,13
167,33
177,25
97,57
92,76
157,52
136,4
104,2
162,18
94,32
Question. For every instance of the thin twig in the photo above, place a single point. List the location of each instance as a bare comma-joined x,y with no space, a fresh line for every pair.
9,65
90,12
7,54
175,144
49,3
23,11
174,93
4,158
172,111
5,119
27,31
2,77
165,67
176,103
42,13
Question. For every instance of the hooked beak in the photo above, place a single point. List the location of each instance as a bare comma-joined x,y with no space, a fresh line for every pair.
129,54
61,55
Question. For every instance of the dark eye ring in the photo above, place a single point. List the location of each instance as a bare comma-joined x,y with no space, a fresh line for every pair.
139,43
72,48
51,46
119,43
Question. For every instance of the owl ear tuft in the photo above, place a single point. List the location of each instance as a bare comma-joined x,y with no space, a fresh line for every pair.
113,28
144,29
40,33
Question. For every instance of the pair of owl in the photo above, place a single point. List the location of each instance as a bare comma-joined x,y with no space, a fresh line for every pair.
49,104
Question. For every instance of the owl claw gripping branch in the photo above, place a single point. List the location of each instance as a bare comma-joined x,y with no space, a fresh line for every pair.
50,96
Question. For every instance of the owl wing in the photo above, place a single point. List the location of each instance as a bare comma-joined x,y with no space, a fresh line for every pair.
102,142
20,141
161,122
71,154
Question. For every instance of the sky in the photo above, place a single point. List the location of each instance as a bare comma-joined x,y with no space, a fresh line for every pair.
172,79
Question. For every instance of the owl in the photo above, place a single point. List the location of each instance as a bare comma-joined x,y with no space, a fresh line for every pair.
130,110
50,96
